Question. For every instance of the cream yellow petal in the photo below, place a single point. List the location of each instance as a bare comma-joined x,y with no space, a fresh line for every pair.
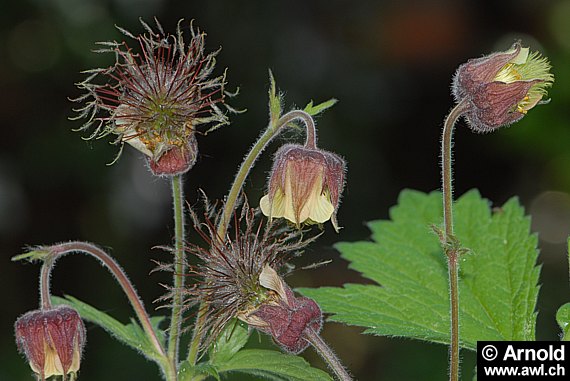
321,210
274,209
271,280
52,366
318,208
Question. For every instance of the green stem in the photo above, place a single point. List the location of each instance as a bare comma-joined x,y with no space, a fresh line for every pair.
119,274
273,129
327,354
271,132
179,268
449,244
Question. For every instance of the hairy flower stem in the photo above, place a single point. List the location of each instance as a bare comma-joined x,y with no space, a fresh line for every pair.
45,272
327,354
179,268
449,244
271,132
274,128
62,249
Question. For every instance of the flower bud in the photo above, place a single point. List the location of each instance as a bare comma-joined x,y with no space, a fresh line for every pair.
285,317
52,340
304,186
499,89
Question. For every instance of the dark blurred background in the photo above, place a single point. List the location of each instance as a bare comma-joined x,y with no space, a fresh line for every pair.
389,63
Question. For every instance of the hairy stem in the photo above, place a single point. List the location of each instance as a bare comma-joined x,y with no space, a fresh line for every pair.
179,268
272,130
119,274
45,285
453,268
327,354
449,244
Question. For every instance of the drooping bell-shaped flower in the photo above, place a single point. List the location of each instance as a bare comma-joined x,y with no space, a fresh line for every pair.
305,185
499,89
52,340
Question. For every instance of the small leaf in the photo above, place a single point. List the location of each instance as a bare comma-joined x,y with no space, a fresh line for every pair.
563,320
187,372
497,280
130,334
314,110
272,365
230,341
37,254
274,100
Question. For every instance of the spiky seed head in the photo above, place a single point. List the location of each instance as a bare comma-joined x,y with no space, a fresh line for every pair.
232,277
155,96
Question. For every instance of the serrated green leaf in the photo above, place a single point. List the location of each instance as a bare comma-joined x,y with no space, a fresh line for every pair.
498,277
272,365
563,320
130,334
314,110
230,341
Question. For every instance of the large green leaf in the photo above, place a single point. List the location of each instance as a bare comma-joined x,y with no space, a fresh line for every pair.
131,334
498,275
272,365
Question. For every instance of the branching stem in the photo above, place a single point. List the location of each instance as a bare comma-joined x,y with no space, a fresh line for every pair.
272,130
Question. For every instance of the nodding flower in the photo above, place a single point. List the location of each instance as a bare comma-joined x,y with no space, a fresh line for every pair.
52,340
155,96
305,185
499,89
